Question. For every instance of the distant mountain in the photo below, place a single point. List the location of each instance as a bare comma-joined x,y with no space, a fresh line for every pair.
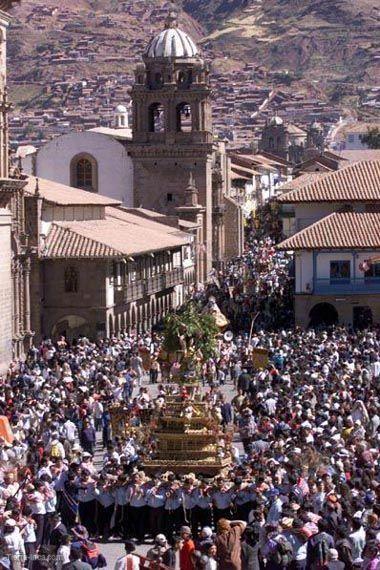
210,13
332,42
328,47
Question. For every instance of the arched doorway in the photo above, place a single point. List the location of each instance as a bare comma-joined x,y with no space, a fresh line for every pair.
111,327
71,327
323,314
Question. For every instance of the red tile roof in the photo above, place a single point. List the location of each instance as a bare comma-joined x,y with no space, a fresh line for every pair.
358,182
340,230
63,195
300,181
361,154
120,234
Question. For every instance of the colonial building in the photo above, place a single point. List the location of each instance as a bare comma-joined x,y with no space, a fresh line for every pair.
96,160
173,137
337,246
99,269
348,136
15,329
289,141
171,141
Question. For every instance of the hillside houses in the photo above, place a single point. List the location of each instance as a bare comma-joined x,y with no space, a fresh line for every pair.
100,45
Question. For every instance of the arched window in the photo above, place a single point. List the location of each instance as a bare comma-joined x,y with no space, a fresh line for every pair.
156,118
84,172
71,280
184,119
181,78
185,78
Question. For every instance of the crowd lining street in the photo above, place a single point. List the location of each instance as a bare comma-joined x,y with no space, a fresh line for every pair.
302,491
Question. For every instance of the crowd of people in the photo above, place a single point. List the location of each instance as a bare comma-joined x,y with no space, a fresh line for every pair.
303,488
257,285
302,492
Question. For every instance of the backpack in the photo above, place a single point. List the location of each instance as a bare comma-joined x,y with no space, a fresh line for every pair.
283,552
321,552
55,451
92,555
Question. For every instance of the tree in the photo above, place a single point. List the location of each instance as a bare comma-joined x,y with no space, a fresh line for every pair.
371,138
190,330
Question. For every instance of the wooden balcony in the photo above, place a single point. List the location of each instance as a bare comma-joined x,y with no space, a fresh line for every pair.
134,291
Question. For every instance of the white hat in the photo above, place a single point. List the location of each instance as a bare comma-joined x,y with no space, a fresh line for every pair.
10,522
207,531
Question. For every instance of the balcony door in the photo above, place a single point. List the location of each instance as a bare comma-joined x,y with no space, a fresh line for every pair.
340,272
373,272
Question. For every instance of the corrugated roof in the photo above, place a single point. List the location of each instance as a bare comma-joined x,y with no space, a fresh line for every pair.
63,195
356,182
340,230
119,234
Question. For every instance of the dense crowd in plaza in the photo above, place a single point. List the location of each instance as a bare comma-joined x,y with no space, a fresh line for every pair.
303,488
302,494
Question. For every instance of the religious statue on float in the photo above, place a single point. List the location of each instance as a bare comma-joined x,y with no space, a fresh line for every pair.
190,338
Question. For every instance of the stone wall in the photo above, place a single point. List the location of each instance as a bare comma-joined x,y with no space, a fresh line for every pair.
160,184
343,304
5,290
85,309
234,231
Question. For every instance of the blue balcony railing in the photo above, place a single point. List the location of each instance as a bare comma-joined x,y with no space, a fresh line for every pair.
347,286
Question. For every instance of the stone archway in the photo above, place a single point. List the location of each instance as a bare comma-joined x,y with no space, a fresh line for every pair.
122,323
71,327
323,314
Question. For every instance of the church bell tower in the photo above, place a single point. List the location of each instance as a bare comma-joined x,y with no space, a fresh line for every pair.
172,127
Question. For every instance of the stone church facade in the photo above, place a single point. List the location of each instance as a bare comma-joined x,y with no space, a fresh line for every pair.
290,142
15,265
173,138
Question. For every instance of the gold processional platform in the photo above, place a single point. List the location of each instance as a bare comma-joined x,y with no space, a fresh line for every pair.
188,438
185,435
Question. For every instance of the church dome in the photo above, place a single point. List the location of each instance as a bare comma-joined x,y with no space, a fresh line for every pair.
172,42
